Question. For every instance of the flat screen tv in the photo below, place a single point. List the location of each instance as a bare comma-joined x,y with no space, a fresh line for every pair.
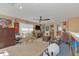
37,27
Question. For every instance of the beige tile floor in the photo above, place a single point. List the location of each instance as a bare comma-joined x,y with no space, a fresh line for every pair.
34,48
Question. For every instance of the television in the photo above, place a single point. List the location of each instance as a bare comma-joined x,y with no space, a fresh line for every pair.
37,27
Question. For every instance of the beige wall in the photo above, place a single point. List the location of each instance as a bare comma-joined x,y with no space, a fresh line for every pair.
64,26
74,24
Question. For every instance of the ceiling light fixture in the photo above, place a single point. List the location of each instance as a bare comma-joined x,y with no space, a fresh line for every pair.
16,5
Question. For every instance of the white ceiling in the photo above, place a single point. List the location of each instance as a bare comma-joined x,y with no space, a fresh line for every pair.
34,10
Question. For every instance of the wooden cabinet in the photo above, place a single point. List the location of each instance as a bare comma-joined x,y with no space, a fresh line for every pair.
7,37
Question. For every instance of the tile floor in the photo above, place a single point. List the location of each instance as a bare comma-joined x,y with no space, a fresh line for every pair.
34,48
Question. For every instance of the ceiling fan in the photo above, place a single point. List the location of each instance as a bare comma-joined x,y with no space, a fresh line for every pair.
43,19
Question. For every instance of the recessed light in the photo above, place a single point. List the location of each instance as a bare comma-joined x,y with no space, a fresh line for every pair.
20,7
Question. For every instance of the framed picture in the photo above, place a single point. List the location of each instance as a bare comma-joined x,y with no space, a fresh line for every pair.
5,22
